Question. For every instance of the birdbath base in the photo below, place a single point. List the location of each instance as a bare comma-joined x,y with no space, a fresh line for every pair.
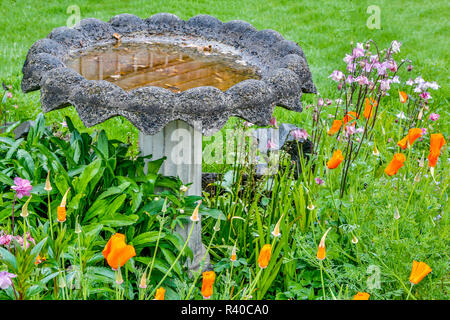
181,144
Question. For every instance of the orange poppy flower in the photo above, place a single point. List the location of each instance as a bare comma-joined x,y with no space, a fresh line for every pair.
264,256
160,292
395,164
418,272
437,141
39,259
335,127
368,107
403,96
413,135
335,160
350,116
321,251
117,252
361,296
207,285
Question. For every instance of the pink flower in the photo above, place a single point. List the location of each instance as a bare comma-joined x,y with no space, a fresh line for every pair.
273,122
298,134
247,124
358,52
381,67
5,279
320,102
348,59
385,85
362,80
392,65
328,102
349,130
9,94
424,131
22,187
351,67
337,75
271,145
434,116
349,79
425,96
319,181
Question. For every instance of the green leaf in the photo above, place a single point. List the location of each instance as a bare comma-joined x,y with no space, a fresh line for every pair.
88,174
9,259
119,220
147,237
102,144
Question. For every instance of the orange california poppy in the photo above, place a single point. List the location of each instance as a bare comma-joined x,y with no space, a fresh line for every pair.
39,259
395,164
419,271
335,127
350,116
160,292
368,107
117,252
321,251
207,285
403,96
264,256
437,141
335,160
413,135
361,296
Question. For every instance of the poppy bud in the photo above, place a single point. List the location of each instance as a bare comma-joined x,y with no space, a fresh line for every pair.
321,254
264,256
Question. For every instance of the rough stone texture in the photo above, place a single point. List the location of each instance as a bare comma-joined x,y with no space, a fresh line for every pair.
281,63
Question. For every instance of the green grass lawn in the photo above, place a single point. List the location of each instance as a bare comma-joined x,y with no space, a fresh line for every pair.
324,29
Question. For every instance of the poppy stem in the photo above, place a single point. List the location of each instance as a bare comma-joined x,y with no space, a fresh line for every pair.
176,260
321,279
409,292
201,266
50,214
14,202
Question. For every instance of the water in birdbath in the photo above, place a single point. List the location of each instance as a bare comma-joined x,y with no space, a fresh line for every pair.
175,67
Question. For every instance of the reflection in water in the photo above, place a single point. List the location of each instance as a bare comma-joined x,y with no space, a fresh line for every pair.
134,65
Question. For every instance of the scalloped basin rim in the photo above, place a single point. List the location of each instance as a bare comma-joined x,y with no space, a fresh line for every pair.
285,74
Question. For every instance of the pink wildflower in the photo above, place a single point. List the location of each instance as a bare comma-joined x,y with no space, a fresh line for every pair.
22,187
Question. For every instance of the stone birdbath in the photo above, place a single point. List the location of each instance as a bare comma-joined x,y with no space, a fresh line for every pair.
175,80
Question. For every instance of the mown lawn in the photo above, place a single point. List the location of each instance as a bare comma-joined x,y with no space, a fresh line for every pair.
324,29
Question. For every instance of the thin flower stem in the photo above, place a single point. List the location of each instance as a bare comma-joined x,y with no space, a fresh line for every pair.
50,214
14,202
321,278
176,261
201,268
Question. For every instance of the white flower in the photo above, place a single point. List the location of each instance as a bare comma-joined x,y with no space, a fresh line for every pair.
395,45
401,115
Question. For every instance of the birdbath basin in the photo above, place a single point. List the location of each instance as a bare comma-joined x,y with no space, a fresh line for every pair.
175,80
